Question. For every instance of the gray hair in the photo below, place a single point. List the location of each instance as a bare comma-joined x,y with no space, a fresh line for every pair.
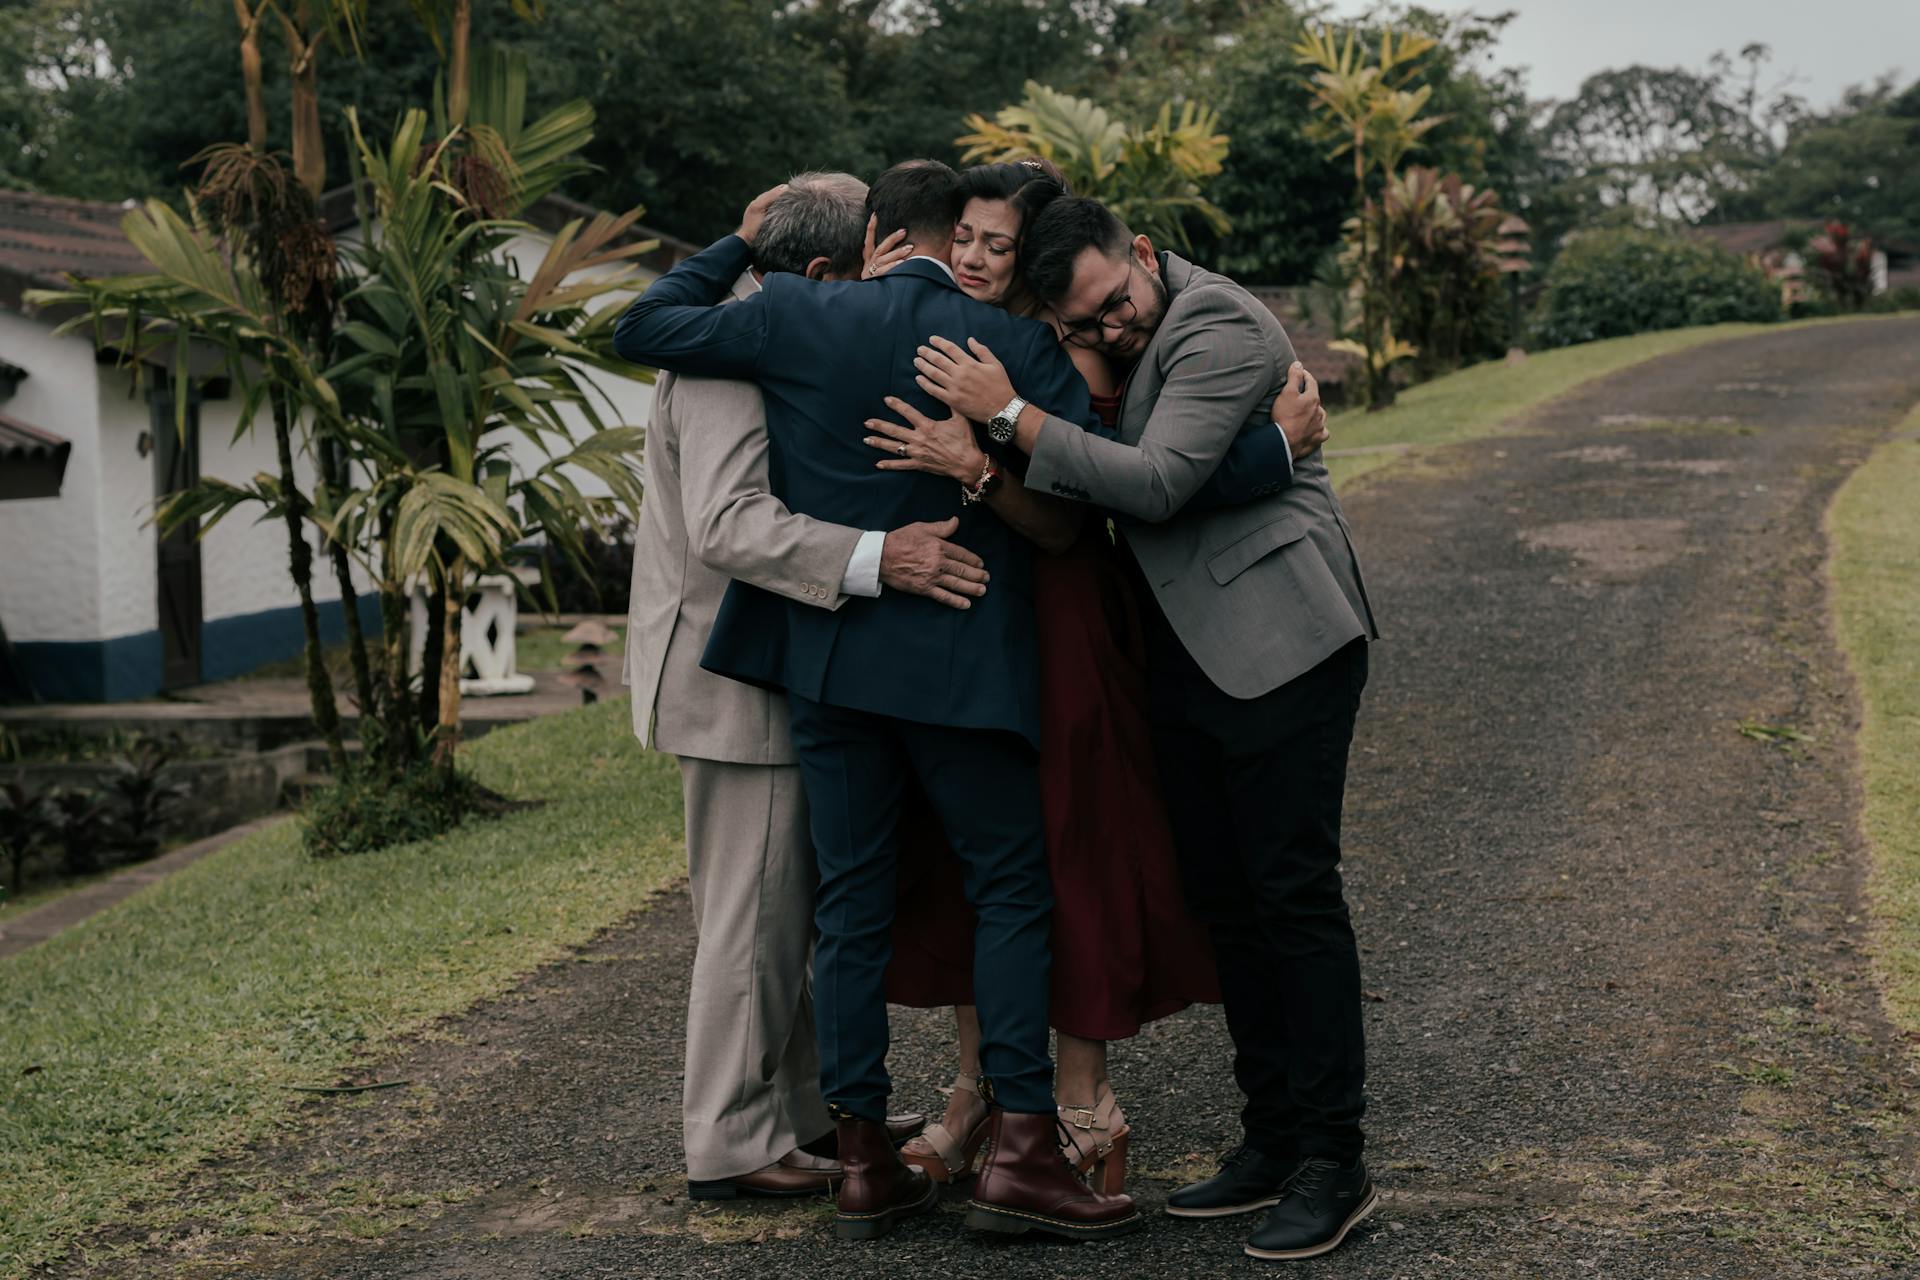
819,215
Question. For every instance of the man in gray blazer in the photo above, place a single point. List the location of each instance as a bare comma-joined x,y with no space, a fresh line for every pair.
752,1091
1257,633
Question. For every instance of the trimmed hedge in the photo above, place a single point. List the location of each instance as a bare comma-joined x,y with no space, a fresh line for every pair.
1608,284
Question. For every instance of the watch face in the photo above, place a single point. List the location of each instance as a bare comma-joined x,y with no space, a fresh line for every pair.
1000,430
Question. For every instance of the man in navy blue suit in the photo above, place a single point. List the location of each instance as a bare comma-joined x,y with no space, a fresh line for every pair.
898,688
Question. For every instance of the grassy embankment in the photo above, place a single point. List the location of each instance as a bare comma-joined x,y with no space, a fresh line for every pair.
1874,532
170,1027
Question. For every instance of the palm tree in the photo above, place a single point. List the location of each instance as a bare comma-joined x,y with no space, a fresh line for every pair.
438,351
1367,111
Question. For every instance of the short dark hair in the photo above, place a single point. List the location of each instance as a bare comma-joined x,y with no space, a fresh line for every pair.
819,215
1064,230
918,197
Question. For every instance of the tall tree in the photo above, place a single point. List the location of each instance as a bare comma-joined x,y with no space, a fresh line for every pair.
700,106
1859,163
1667,142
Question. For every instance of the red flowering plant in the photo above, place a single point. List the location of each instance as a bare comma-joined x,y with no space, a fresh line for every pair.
1843,264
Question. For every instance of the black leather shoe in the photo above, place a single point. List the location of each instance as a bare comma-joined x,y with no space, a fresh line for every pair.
1248,1180
1322,1204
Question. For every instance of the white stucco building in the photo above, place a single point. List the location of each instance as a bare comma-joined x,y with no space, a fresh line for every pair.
95,605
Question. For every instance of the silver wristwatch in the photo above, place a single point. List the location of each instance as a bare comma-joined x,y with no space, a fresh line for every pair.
1000,426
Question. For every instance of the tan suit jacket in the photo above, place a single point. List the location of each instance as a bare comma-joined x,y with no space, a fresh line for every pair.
708,517
1258,593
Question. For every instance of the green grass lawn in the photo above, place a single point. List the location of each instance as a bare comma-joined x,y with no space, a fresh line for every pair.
1874,527
165,1029
1476,402
541,648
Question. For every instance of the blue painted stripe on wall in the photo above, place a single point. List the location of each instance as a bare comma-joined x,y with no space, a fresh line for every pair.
129,666
92,670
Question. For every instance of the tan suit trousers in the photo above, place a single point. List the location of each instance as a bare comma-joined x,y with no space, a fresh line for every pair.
753,1072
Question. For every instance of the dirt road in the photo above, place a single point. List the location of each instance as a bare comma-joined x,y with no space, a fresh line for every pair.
1603,854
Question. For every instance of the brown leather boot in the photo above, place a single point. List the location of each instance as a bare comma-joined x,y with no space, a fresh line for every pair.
877,1189
1027,1185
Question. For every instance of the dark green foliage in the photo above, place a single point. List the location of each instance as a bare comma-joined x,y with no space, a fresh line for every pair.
369,807
1904,297
82,822
26,827
599,582
1859,164
1606,284
142,799
698,107
90,829
1284,196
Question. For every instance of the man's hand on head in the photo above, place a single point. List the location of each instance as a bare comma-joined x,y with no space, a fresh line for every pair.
1298,413
757,212
919,560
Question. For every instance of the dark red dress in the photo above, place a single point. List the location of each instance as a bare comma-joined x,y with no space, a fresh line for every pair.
1125,951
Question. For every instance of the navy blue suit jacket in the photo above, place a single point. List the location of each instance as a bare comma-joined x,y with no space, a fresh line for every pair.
825,354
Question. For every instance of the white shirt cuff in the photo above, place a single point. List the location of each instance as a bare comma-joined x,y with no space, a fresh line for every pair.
862,577
1283,435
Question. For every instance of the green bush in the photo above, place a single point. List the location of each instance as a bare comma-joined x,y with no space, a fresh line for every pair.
1607,284
1904,297
368,808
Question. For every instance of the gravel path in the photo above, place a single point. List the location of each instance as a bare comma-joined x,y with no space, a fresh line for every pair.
1619,1014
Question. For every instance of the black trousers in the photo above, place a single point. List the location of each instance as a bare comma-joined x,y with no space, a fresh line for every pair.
1254,790
985,787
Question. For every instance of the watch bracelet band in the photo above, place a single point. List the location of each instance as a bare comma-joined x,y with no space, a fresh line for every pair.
1001,426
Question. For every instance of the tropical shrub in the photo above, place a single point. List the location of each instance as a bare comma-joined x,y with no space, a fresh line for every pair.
431,351
1368,111
1443,294
598,580
1842,261
26,828
1149,175
1905,297
1606,284
143,799
368,807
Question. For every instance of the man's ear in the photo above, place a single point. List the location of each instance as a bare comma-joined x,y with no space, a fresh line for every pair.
818,268
1143,254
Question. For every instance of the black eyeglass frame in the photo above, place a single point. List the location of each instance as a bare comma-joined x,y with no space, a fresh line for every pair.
1090,333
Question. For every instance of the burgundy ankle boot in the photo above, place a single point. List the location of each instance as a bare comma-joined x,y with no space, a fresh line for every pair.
877,1188
1027,1185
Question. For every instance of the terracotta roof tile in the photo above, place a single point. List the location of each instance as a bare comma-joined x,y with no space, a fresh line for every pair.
44,237
20,442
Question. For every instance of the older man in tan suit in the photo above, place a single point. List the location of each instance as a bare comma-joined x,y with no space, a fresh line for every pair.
752,1093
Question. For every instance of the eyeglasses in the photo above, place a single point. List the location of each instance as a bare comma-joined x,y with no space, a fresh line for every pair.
1118,315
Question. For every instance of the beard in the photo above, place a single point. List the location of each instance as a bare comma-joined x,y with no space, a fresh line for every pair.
1141,329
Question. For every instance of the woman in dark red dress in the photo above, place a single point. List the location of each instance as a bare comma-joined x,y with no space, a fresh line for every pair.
1125,950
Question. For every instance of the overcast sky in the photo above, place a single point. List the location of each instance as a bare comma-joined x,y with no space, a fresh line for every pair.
1825,46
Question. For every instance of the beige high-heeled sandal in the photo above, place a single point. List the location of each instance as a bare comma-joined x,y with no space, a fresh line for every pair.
944,1156
1095,1141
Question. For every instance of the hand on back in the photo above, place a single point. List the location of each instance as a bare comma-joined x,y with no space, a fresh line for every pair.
1298,413
918,559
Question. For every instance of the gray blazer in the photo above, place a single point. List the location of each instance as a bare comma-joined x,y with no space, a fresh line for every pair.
708,517
1259,593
